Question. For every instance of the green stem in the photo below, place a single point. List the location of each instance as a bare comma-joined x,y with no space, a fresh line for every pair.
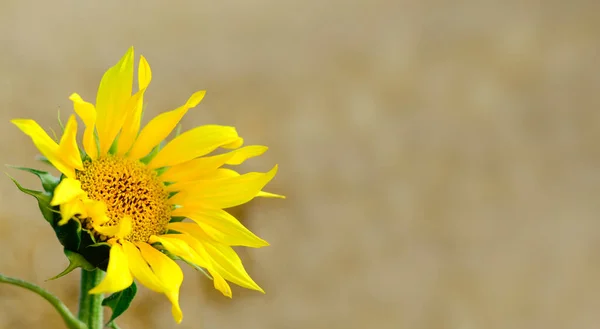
90,305
70,320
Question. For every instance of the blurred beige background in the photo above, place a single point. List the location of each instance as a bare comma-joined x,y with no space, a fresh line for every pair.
441,159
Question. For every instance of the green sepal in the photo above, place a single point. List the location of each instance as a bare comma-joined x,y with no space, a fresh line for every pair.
75,261
119,302
43,199
60,123
153,153
160,171
97,253
49,181
176,219
173,257
43,159
197,268
178,130
69,234
114,146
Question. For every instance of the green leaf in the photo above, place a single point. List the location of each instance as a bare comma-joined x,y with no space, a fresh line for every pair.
75,261
119,302
113,325
43,199
49,182
69,234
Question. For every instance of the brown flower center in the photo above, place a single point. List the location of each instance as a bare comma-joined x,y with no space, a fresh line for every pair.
128,188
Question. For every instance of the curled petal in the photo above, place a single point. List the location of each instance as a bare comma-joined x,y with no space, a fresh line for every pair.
179,244
118,276
96,210
169,274
67,190
48,147
87,113
140,269
119,231
69,209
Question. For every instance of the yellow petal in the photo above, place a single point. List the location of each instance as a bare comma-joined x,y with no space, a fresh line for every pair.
133,105
192,229
160,127
235,144
199,167
223,193
218,225
264,194
96,210
223,260
186,247
121,230
180,249
69,210
113,93
230,265
87,113
221,173
195,168
245,153
67,148
140,269
131,126
67,190
169,274
217,174
193,143
48,147
144,73
221,285
118,276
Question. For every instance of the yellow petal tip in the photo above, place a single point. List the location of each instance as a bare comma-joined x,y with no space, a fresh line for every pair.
63,221
75,97
270,195
196,98
235,144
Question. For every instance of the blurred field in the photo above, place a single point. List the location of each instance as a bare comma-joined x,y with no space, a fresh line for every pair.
441,160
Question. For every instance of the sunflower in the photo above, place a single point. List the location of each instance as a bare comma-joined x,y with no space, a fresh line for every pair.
133,193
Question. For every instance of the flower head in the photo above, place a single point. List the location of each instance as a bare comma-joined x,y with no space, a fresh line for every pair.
120,201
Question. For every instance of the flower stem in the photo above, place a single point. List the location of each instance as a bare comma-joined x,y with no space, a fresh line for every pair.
90,305
70,320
